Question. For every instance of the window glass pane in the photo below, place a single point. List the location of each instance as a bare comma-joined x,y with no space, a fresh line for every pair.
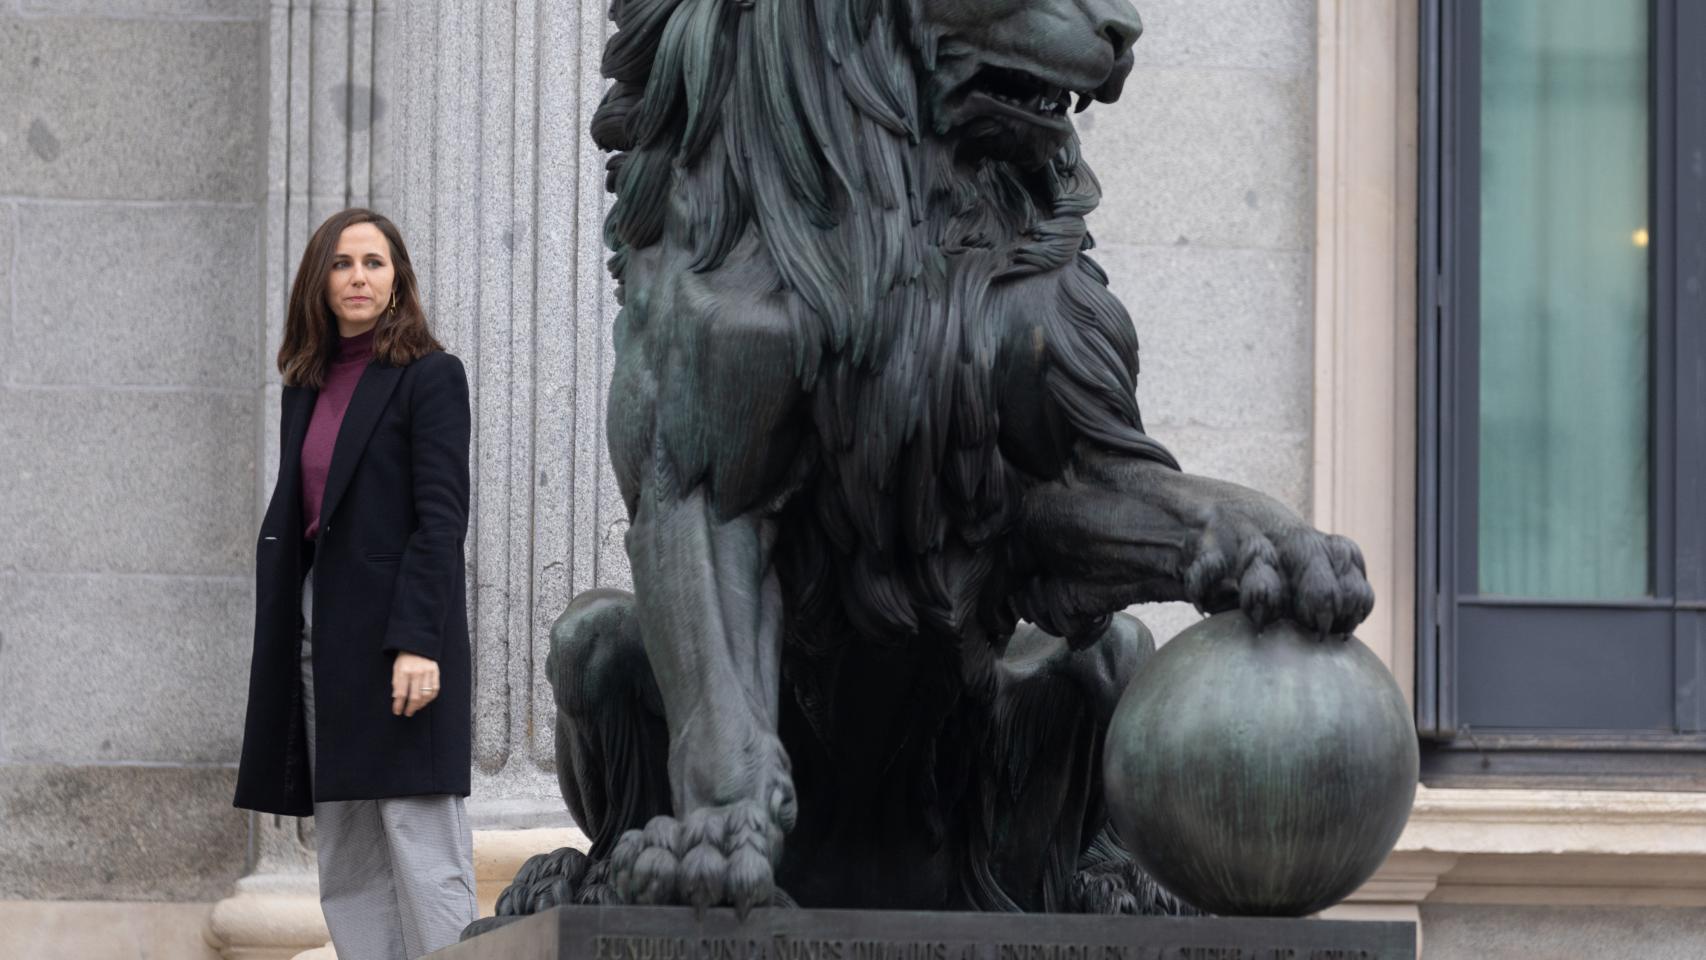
1564,302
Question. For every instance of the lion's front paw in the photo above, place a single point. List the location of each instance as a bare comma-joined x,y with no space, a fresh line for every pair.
1301,574
716,856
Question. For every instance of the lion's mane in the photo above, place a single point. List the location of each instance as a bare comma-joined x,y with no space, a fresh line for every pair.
806,124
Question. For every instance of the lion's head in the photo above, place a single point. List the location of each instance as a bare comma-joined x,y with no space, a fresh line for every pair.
849,130
1006,70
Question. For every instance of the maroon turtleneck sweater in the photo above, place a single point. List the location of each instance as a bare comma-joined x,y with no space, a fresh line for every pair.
350,359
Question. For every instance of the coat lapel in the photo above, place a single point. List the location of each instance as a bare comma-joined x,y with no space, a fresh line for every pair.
372,392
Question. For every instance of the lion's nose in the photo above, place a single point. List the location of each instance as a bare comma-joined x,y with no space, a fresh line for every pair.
1117,21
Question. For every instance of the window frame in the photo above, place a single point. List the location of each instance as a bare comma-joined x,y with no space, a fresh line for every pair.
1447,355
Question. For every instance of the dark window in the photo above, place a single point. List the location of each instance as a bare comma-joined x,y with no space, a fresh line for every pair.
1562,608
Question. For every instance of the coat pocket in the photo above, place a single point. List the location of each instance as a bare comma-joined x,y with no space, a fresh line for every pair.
384,557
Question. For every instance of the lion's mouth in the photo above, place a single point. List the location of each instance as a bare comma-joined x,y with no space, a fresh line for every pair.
1022,91
1021,96
1011,114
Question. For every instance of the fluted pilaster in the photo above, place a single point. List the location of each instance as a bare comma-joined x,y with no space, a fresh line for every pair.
466,122
501,193
327,149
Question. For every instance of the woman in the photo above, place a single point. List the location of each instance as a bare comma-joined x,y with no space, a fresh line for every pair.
359,691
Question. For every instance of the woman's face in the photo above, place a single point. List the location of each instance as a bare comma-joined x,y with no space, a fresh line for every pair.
358,287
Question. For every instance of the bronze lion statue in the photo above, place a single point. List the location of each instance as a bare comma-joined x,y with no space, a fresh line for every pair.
874,417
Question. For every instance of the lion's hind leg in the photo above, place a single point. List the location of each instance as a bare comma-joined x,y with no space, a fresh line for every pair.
612,751
612,745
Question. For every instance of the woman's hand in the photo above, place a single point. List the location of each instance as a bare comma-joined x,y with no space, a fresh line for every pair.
414,684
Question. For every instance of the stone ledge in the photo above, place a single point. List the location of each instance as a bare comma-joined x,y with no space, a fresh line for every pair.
1560,847
79,929
1557,821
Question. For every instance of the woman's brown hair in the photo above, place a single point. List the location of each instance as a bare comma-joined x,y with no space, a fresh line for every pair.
311,329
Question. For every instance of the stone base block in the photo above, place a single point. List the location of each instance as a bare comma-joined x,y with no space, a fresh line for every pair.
676,933
81,929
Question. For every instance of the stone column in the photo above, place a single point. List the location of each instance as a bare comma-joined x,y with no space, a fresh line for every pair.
500,193
466,122
326,150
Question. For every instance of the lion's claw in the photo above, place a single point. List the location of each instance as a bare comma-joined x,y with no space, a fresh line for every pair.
750,882
1314,579
703,874
717,856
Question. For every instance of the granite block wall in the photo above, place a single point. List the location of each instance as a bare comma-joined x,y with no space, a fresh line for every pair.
131,137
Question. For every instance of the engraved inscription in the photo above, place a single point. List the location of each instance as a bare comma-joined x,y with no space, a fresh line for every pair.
676,948
781,947
1075,951
1267,953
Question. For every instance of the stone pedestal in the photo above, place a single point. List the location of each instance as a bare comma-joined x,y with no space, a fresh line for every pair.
675,933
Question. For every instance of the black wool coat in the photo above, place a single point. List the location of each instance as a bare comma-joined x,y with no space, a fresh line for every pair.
388,576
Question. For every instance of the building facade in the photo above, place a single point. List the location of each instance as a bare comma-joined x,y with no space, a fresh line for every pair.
1267,177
